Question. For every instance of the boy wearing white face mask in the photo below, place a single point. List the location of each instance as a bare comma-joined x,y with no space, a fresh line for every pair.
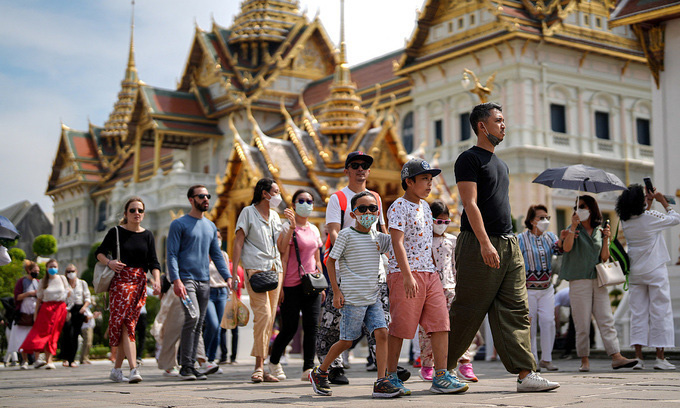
538,245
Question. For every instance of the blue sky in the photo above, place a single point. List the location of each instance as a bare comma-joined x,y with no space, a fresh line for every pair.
62,61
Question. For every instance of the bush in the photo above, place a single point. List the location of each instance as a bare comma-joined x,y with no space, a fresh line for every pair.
17,254
45,245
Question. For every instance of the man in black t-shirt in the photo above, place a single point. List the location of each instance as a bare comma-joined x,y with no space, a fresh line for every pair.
490,268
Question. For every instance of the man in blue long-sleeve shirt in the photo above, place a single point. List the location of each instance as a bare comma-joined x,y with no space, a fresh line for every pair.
192,243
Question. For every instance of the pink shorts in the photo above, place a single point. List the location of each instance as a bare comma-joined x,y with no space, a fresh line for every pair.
427,308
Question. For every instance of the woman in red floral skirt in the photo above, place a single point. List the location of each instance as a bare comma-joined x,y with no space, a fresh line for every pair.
127,293
50,314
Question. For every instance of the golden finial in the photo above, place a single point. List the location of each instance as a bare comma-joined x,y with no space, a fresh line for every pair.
482,91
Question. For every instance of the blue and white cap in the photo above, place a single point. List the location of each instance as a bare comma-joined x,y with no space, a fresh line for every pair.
415,167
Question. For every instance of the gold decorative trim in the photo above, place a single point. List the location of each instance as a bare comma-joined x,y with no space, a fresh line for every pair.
658,14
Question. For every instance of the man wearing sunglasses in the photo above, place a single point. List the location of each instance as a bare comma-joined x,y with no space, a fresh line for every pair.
192,243
357,168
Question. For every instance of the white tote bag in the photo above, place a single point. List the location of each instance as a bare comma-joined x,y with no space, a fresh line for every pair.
609,273
103,274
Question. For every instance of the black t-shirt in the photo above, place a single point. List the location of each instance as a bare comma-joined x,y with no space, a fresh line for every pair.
491,175
137,249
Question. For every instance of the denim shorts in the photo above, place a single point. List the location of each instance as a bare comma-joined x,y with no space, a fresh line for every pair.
354,316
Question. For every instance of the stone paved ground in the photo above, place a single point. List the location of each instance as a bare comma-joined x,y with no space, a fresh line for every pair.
88,386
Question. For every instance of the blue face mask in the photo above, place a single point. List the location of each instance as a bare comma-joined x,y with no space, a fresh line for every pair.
52,271
367,220
304,209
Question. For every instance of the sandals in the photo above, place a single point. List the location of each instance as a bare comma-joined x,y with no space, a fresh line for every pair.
259,375
626,363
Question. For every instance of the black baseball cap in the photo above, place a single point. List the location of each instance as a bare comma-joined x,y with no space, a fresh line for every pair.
415,167
358,155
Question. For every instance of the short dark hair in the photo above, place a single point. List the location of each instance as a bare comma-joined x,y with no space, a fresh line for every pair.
263,184
531,214
301,191
357,196
481,112
631,202
595,214
438,207
190,192
403,182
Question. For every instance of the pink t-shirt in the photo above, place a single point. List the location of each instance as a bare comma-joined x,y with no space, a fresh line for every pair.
309,241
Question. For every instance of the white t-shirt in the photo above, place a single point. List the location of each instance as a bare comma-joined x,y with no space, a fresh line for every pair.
415,221
57,290
4,256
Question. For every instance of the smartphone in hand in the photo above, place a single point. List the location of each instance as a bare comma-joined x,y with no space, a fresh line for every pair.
606,224
648,185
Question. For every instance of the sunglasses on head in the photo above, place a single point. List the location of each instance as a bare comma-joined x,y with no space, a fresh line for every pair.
545,217
440,221
362,208
356,165
136,210
302,201
203,196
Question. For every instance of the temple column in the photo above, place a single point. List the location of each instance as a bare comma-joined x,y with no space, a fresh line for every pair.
158,143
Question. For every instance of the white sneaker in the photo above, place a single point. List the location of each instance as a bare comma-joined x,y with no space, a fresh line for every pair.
640,365
305,375
50,366
208,368
24,365
277,371
534,382
117,375
663,365
171,373
39,363
134,376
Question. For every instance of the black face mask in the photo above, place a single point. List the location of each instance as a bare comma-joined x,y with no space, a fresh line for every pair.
34,275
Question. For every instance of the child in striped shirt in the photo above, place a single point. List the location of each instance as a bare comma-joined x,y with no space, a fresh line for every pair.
357,250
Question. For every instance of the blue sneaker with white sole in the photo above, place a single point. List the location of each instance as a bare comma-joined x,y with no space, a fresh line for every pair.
397,383
445,383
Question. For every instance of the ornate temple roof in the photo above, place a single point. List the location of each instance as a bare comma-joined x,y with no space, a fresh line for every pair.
649,11
491,23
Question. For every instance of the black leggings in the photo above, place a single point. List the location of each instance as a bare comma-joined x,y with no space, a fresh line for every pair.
69,334
294,302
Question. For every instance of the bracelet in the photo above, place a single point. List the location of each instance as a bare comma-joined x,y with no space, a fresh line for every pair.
570,231
107,264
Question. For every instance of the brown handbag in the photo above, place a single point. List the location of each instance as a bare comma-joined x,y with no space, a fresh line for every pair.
24,319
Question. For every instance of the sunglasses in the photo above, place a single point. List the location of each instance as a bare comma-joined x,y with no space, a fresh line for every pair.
302,201
356,165
581,207
547,217
363,208
69,270
136,210
203,196
440,221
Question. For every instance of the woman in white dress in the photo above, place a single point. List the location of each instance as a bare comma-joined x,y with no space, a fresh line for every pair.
651,312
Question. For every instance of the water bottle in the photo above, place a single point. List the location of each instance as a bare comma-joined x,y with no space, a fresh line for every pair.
190,306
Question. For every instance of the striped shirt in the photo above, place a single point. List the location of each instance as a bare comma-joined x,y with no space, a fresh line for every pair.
537,251
358,255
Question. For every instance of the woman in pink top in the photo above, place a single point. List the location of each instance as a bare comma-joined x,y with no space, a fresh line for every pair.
293,298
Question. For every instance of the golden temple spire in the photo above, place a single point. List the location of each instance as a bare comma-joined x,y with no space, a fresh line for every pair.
343,115
116,127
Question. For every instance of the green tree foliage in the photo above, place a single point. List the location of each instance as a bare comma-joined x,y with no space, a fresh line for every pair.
17,254
88,274
45,245
9,274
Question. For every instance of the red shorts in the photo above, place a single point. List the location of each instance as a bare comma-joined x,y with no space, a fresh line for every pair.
427,308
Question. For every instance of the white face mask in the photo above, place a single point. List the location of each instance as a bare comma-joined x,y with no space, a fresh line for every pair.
543,225
71,275
304,209
219,242
583,214
274,201
439,229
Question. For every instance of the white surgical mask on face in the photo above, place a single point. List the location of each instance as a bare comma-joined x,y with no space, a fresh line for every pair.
583,214
543,225
304,209
71,275
439,229
275,200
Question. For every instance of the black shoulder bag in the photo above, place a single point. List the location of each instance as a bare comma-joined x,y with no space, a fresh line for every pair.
312,283
264,281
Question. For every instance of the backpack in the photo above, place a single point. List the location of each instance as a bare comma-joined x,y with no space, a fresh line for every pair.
342,199
618,253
